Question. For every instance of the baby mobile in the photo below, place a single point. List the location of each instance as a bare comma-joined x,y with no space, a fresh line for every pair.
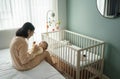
52,24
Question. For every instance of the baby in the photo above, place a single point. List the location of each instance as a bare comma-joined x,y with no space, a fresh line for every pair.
42,47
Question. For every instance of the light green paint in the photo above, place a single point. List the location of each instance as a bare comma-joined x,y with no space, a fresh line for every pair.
83,17
62,13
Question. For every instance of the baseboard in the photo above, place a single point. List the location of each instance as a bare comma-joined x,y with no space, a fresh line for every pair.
105,77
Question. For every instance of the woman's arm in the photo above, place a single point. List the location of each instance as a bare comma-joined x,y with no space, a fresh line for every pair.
24,55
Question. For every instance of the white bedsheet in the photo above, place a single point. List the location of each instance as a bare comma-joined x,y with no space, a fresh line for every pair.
70,56
42,71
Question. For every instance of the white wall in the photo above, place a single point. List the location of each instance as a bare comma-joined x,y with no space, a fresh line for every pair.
5,37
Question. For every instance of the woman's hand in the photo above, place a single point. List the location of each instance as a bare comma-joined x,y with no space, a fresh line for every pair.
35,48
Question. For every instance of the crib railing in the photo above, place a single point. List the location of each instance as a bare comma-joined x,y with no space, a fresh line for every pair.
74,38
72,64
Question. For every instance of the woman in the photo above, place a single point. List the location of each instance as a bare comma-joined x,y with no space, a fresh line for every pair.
22,58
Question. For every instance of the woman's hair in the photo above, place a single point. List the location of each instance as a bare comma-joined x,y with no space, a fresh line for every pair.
23,31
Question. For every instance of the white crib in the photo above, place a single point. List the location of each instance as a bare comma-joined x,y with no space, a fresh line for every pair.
76,56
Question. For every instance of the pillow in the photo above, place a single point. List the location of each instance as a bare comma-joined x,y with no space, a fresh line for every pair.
58,44
75,47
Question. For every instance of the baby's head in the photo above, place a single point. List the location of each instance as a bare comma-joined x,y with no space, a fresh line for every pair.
43,44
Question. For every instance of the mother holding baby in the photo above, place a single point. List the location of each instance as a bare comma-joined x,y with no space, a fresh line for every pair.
22,58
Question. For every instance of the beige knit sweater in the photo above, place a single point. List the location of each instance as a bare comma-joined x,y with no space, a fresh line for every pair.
21,58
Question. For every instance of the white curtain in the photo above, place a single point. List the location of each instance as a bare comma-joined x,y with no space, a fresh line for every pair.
14,13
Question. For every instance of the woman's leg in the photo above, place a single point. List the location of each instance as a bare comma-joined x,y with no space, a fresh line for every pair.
44,56
37,60
48,58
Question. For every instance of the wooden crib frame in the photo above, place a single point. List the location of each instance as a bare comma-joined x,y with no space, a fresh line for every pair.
86,44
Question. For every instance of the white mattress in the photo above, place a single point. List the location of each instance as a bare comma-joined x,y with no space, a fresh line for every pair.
70,56
42,71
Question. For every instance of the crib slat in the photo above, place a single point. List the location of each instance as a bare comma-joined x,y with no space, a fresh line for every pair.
78,65
71,62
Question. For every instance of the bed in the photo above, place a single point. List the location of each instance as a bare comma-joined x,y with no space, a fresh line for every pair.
77,56
43,71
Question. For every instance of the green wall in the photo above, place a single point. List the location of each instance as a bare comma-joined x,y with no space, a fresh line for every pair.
83,17
62,13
